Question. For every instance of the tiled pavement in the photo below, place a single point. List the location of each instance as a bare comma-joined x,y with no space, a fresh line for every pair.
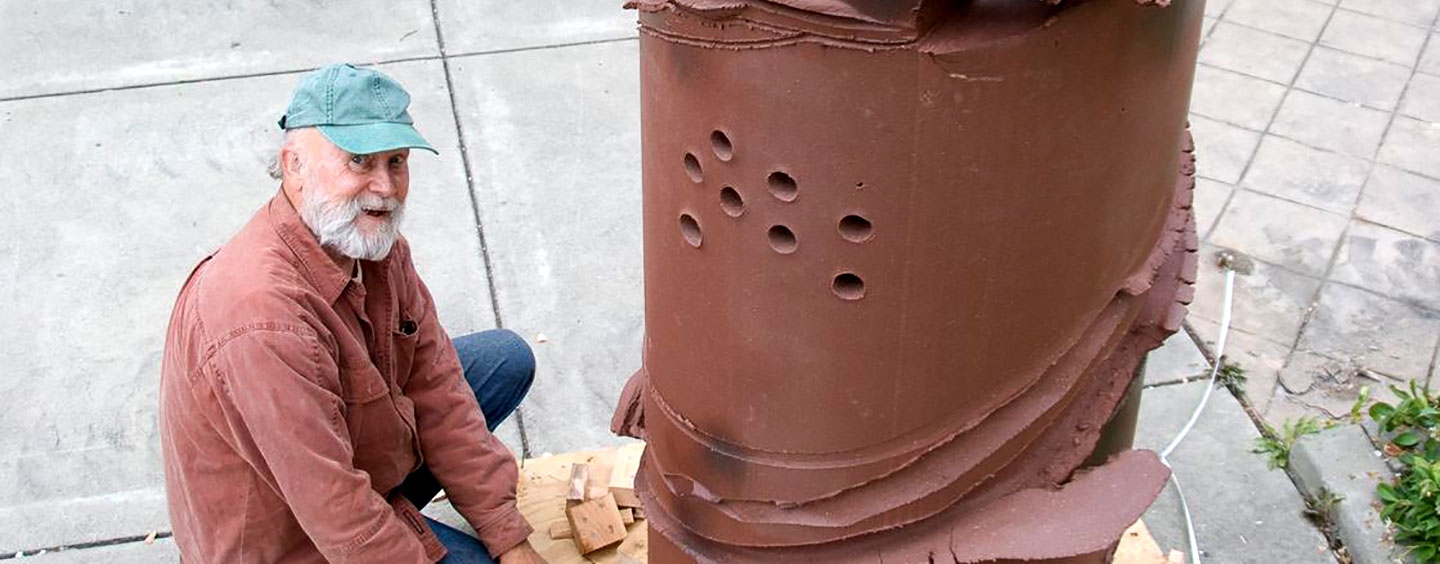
1318,133
135,135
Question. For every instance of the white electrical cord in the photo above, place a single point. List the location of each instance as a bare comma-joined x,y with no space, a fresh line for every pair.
1214,372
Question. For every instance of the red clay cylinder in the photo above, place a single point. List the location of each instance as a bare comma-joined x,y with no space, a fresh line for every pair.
900,265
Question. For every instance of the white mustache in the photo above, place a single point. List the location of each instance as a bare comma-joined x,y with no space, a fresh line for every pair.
371,202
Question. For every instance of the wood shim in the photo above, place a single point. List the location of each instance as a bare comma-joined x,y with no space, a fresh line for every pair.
579,483
625,497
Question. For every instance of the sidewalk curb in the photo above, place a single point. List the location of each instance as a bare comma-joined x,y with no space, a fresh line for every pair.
1343,461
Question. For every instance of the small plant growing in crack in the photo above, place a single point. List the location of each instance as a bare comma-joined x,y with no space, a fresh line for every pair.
1412,503
1232,376
1275,446
1320,510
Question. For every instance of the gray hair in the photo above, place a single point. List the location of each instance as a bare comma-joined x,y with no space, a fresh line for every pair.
273,167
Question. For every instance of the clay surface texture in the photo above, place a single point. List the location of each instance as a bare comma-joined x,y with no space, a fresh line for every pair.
902,259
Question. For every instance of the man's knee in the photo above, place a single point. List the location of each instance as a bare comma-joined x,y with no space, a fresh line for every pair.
519,365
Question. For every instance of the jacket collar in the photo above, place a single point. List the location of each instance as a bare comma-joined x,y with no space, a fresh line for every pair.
318,268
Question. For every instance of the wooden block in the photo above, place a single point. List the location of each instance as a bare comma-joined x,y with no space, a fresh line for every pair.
625,497
627,516
595,524
579,479
626,465
560,530
1138,547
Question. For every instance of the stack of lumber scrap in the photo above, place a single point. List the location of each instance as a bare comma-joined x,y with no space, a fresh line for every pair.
592,492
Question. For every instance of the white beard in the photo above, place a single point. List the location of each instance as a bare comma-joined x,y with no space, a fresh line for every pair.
335,223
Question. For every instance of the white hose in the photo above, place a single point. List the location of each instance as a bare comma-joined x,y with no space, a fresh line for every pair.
1214,373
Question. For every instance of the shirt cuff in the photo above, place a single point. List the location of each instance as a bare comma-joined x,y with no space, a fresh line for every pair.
502,530
406,511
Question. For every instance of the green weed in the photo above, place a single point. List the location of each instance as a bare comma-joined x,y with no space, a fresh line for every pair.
1276,445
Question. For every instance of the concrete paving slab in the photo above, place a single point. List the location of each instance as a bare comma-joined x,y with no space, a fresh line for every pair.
1412,145
1253,52
473,26
1210,199
1402,200
1235,98
1216,8
72,520
1422,99
64,46
1414,12
108,217
1375,37
554,144
1269,302
1342,461
1177,360
1261,359
162,550
1298,19
1353,78
1279,231
1390,262
1222,150
1373,331
1328,123
1430,59
1300,173
1243,512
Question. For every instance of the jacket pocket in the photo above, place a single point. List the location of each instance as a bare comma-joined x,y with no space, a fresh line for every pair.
381,439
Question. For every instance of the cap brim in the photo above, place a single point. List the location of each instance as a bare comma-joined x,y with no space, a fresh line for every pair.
369,138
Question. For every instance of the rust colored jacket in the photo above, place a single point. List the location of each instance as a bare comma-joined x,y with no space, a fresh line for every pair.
293,400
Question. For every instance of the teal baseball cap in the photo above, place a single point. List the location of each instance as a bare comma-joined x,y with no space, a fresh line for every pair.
360,110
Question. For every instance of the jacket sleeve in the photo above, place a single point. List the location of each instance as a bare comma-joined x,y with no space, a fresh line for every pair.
278,390
478,472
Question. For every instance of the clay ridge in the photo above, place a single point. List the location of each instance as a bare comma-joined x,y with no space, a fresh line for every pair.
873,25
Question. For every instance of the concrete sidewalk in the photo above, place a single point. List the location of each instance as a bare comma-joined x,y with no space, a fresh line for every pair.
136,137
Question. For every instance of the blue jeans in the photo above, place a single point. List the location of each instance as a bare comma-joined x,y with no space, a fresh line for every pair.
499,368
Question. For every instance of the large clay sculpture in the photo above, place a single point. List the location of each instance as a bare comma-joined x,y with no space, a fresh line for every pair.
902,261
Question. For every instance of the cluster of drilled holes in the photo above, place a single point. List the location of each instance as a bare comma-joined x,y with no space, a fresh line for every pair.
854,228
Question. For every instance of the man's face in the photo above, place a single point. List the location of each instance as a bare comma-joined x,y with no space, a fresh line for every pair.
353,203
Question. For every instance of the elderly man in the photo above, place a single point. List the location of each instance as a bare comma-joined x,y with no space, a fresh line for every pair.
310,401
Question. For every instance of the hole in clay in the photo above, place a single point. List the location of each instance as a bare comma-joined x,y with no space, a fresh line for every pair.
856,229
721,143
690,230
692,167
848,286
783,187
782,239
731,202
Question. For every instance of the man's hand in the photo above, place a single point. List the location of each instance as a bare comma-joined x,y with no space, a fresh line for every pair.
523,553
